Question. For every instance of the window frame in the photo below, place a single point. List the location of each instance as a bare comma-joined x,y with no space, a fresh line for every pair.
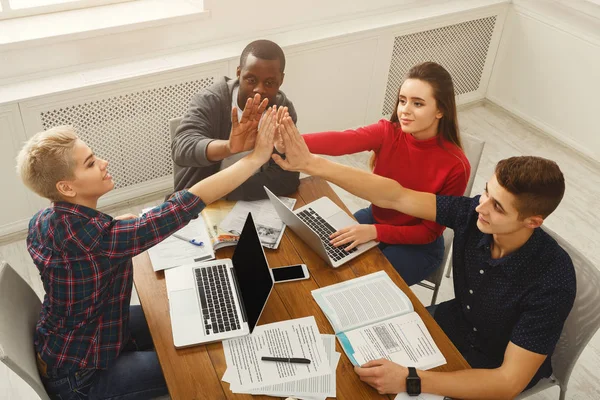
8,13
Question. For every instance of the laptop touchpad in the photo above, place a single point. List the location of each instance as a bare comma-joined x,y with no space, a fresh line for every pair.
341,220
184,303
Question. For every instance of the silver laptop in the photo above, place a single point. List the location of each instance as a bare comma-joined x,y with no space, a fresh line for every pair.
221,299
315,222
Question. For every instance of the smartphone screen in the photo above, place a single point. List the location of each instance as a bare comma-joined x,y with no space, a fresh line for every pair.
287,273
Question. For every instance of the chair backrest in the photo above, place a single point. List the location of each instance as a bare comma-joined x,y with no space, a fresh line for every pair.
173,125
584,319
19,312
473,148
436,276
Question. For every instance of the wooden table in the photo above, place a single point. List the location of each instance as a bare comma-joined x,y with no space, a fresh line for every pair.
195,372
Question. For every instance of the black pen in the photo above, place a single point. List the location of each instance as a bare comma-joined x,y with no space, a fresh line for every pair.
287,360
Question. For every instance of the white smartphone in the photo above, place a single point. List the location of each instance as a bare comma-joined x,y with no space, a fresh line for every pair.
290,273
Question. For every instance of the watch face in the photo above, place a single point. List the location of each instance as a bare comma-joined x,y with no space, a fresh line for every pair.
413,386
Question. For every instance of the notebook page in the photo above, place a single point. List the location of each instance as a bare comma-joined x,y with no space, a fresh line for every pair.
362,301
404,340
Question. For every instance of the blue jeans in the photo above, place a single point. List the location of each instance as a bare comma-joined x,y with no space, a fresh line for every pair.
414,262
134,375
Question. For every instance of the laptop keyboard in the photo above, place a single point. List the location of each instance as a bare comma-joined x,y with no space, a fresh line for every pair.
219,311
324,230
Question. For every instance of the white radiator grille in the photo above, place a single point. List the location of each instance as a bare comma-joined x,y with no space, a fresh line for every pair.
461,49
131,131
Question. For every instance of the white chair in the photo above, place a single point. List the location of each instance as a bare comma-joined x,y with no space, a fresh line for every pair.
580,326
19,311
473,148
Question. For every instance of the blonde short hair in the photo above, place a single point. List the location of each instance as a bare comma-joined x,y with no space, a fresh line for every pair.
47,159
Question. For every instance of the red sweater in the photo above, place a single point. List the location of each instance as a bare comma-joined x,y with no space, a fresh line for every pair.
422,165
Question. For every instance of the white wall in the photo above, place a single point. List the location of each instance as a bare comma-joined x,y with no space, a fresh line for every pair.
336,75
547,72
229,20
17,202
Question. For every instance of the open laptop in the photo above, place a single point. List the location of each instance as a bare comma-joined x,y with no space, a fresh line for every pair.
220,299
315,222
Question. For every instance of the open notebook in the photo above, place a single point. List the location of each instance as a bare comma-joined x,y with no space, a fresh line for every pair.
372,318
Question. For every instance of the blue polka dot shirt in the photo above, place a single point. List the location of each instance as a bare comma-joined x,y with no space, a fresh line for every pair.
523,298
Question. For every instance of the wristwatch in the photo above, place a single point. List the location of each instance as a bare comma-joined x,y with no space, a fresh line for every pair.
413,382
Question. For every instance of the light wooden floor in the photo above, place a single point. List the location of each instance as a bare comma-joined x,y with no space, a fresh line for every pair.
576,219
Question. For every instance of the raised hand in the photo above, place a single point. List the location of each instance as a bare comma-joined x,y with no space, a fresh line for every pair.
266,135
243,132
297,155
282,112
355,235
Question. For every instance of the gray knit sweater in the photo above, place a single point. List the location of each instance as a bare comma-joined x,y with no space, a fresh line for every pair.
209,118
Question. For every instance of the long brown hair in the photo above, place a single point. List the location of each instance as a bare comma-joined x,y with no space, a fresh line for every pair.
443,92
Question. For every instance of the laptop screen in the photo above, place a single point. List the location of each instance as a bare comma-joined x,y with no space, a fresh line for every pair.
252,271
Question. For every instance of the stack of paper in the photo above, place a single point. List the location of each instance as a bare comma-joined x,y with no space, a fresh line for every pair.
298,338
173,252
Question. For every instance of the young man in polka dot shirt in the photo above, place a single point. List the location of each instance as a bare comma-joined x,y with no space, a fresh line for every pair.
514,285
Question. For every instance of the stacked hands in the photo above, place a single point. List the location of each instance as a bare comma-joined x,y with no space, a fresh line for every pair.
246,133
299,158
278,130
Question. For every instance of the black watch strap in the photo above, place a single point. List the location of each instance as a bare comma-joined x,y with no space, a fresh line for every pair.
413,382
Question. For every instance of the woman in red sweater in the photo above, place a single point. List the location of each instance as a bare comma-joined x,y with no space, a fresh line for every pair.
420,148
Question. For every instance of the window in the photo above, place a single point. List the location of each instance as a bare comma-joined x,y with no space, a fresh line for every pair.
22,8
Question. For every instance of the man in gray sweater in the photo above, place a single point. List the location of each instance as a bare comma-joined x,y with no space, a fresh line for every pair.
213,135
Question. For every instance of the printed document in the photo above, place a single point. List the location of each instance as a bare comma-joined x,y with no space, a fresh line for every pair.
372,318
404,340
298,338
357,302
318,386
173,252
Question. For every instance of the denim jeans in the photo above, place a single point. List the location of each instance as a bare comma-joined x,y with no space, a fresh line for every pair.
135,374
414,262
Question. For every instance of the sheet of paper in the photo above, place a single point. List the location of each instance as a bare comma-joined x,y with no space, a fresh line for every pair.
362,301
320,387
422,396
227,375
315,387
173,252
404,340
269,226
292,338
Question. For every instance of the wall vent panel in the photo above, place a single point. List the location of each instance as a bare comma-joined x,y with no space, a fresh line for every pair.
461,48
131,130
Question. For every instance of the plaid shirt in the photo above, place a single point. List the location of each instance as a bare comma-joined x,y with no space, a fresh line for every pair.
84,259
